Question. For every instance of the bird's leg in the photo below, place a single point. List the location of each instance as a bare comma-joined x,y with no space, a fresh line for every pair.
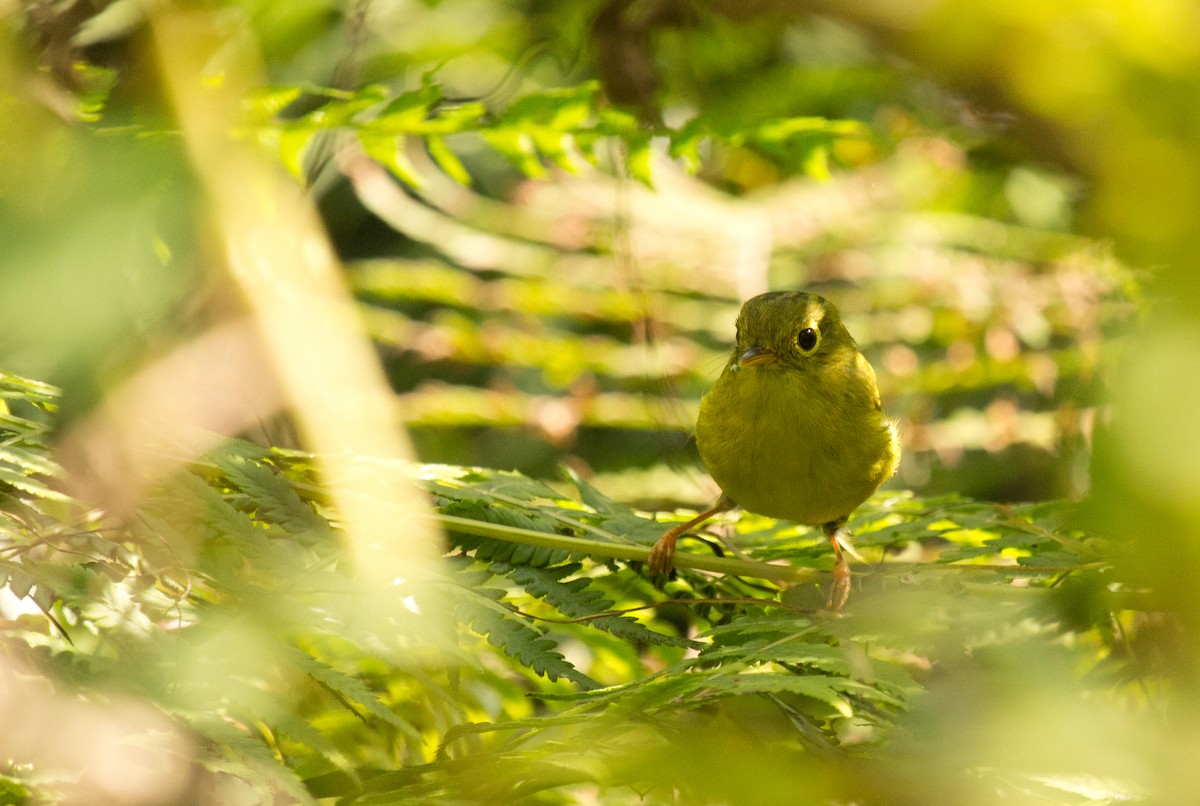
839,589
662,555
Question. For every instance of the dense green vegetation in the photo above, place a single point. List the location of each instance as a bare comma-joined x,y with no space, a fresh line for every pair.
350,355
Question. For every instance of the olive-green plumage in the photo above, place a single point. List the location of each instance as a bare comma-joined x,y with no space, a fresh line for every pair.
793,428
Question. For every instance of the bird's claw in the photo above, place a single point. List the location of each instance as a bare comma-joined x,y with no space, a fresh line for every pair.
662,555
839,589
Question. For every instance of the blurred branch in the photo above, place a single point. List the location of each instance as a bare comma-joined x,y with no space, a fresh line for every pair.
279,256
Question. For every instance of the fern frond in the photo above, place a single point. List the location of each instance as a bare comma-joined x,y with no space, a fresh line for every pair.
31,485
485,548
575,598
246,758
15,386
479,608
353,690
827,690
275,499
304,734
34,461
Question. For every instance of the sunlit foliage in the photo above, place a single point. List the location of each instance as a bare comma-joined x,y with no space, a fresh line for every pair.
380,327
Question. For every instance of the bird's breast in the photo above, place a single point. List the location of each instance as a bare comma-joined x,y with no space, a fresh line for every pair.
787,449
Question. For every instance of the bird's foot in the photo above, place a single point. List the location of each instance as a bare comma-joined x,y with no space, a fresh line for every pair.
839,589
662,555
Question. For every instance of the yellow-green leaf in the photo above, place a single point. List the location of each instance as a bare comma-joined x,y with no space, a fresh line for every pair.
447,160
389,151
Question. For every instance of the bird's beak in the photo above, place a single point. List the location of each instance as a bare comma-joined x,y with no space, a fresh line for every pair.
756,355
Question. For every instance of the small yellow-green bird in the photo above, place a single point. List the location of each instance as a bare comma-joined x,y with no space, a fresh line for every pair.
793,428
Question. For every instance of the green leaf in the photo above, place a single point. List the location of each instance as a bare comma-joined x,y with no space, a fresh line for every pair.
293,145
576,599
686,143
274,498
245,757
267,102
816,163
558,147
490,549
13,790
518,147
35,461
589,495
342,112
448,119
16,386
818,687
389,151
778,131
639,160
563,108
354,690
447,160
407,111
28,484
478,608
311,739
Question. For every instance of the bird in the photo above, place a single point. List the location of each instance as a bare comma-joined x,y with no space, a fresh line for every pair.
794,428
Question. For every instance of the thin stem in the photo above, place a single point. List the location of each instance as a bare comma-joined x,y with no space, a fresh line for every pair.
746,600
717,565
628,552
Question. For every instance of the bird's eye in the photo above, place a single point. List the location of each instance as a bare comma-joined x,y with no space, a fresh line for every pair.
807,340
